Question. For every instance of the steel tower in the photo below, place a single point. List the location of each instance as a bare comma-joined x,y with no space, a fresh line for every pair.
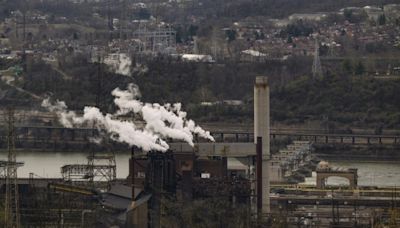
12,215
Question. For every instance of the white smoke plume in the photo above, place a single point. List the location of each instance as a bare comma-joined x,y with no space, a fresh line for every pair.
161,121
124,66
120,63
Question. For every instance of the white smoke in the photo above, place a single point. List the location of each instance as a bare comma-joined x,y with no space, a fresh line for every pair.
124,66
96,140
120,63
161,121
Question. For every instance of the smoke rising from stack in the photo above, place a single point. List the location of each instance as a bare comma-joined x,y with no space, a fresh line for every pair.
161,121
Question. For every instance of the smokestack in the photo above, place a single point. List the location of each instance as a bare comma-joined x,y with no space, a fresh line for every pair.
262,129
134,168
132,171
259,173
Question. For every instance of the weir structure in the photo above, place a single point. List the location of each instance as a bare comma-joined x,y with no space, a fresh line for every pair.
261,136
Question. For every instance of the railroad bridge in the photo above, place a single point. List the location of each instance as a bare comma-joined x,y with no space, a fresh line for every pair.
321,138
59,137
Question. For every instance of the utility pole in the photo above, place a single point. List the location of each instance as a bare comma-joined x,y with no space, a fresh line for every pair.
16,27
24,9
214,44
12,216
122,20
99,86
109,18
24,25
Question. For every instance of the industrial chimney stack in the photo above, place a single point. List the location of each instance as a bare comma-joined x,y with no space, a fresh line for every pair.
262,129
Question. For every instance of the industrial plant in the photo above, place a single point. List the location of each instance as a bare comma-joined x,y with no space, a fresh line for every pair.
238,168
199,114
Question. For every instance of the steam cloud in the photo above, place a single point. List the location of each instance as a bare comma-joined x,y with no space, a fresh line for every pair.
124,66
119,63
161,121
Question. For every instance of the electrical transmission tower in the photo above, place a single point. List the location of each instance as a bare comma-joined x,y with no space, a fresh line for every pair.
12,216
316,68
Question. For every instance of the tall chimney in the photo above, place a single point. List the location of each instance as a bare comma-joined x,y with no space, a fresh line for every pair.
262,129
132,171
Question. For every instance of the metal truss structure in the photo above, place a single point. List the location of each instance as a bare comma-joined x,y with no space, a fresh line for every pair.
159,41
12,214
100,171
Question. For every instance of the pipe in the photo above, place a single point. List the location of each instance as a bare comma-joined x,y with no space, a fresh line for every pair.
259,174
132,161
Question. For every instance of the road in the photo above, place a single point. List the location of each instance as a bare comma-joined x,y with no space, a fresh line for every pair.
9,81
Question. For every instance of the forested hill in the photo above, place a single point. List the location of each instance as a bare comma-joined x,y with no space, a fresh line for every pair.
341,102
347,100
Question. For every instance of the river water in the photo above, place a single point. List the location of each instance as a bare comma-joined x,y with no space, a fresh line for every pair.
370,173
48,164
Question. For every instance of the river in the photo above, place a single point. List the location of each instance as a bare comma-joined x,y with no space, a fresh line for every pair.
370,173
47,164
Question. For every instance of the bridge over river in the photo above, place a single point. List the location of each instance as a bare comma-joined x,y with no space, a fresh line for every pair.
60,138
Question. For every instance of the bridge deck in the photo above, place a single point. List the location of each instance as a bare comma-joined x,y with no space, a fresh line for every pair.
59,138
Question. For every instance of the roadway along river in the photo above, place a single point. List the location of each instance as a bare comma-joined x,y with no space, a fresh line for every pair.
46,164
